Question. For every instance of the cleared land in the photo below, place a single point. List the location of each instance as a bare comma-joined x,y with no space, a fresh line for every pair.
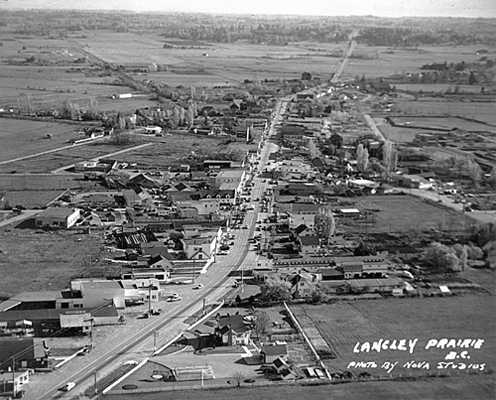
23,137
401,213
481,111
205,63
376,61
48,259
343,324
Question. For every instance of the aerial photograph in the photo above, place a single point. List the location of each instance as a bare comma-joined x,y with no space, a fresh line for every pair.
263,200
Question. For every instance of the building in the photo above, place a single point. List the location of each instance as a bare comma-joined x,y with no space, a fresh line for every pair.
22,353
13,383
271,352
233,330
57,218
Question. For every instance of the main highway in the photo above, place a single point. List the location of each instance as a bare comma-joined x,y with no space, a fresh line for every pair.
138,337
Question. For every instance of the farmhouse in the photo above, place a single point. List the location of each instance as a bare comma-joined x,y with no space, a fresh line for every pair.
57,218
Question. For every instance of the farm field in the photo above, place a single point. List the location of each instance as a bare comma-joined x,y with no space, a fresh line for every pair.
50,86
343,324
442,123
24,137
37,182
33,260
402,213
376,61
52,161
217,63
31,198
479,387
437,87
481,111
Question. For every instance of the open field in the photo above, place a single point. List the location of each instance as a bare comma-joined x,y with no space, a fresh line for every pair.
437,87
213,63
31,198
49,182
441,123
479,387
375,61
23,137
343,324
172,149
38,260
402,213
481,111
49,162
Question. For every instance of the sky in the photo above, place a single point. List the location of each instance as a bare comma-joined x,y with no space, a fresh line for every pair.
387,8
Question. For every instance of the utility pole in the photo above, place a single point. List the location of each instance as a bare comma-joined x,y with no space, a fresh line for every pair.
149,299
95,382
14,394
155,335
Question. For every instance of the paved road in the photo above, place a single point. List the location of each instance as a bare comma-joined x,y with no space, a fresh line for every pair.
135,339
348,52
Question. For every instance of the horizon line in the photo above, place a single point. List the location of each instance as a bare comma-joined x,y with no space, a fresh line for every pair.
105,10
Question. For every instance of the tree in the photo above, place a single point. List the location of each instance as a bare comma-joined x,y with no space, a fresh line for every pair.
389,158
306,76
362,158
261,323
275,290
472,80
440,256
336,140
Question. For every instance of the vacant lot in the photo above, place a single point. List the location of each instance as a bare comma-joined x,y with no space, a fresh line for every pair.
23,137
38,260
401,213
177,147
343,324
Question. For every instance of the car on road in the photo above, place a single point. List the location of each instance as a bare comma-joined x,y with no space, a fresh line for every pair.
173,297
197,287
68,386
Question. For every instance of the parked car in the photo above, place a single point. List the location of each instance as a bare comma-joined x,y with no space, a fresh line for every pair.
197,287
68,386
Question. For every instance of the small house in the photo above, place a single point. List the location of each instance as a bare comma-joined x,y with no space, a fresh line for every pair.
57,218
271,352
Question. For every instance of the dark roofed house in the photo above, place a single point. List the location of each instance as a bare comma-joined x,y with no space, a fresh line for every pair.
271,352
234,330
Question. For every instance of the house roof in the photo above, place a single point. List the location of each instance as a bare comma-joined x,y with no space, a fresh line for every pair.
56,212
236,322
310,240
275,349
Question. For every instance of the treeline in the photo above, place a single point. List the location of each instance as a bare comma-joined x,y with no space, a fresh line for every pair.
255,29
